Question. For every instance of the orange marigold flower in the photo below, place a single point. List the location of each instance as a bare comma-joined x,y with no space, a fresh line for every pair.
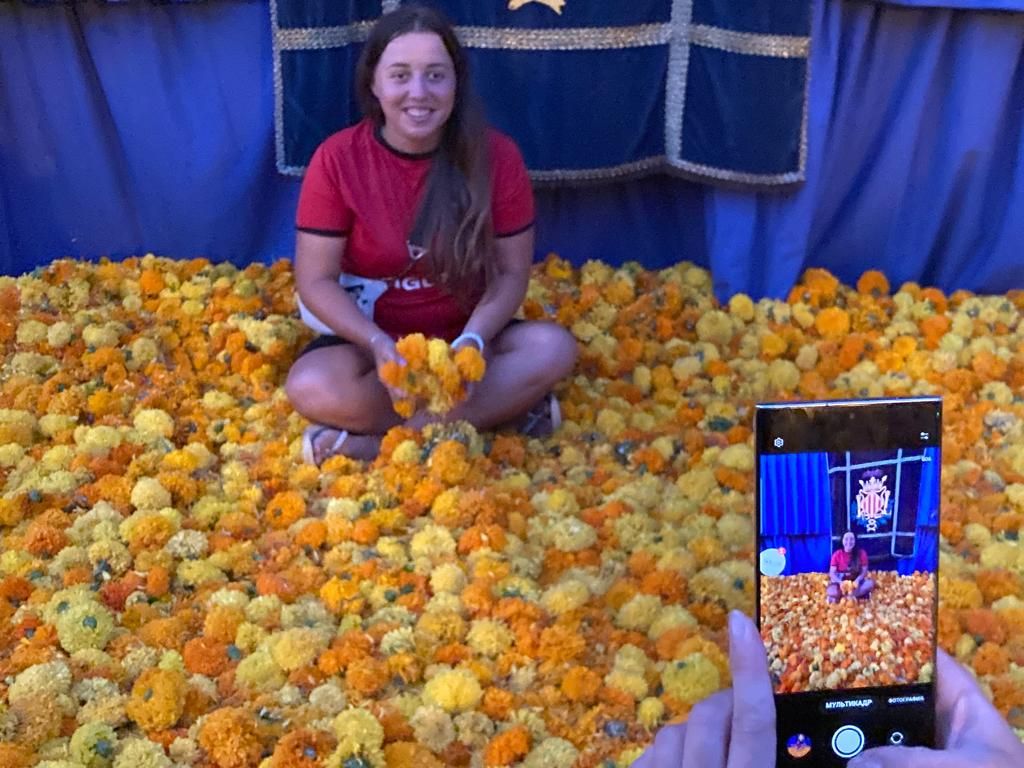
498,703
409,754
581,684
284,509
990,659
302,748
158,581
367,676
873,283
480,536
313,534
448,462
470,363
205,656
997,583
158,699
43,539
983,624
365,531
151,282
508,746
167,633
832,322
231,738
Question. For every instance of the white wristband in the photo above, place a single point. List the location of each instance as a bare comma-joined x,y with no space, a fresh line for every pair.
470,336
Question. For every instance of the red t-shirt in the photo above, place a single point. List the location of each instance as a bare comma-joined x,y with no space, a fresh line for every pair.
358,187
841,562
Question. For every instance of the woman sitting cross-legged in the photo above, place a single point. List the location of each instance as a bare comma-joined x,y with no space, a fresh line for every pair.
417,219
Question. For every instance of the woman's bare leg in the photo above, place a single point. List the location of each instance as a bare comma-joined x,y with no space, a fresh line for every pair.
524,362
338,387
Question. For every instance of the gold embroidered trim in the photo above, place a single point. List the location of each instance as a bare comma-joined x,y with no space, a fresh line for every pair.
320,38
580,38
738,177
608,173
778,46
675,78
584,38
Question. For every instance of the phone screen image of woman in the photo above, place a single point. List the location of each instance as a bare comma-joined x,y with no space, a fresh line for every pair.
848,517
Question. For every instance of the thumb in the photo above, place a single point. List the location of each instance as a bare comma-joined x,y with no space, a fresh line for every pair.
906,757
753,703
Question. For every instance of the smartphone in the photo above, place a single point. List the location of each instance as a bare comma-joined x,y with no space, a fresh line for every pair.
848,550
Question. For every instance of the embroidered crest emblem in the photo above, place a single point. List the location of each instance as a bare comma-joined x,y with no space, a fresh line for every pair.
554,5
873,500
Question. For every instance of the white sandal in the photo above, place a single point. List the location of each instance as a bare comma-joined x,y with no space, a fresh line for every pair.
549,407
309,437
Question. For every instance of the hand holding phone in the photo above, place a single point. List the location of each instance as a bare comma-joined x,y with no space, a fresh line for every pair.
971,731
734,728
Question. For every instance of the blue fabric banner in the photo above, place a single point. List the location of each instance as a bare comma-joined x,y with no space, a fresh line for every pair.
712,89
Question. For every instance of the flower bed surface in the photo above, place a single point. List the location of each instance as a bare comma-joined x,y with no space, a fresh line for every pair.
177,588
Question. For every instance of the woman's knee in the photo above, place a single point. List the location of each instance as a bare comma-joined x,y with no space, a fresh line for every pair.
316,390
556,349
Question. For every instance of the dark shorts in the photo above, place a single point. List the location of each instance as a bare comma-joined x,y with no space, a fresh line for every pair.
322,341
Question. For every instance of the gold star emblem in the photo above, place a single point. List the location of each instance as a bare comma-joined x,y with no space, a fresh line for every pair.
554,5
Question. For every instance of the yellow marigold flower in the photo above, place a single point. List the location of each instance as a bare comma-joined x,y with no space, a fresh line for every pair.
153,424
553,752
742,307
141,753
84,625
93,745
650,713
432,542
259,672
148,493
691,679
489,637
566,596
455,690
671,617
296,648
17,427
358,732
635,685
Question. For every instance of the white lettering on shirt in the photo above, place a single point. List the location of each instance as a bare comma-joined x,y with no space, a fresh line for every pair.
411,284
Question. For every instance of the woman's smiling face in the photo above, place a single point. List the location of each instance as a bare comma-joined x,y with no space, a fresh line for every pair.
414,82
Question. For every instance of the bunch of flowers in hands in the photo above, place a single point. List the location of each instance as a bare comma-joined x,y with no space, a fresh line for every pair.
432,373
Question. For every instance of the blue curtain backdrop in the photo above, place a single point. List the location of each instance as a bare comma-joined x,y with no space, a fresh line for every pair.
138,127
796,509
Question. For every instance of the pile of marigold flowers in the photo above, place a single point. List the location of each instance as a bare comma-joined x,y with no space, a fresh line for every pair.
178,589
432,373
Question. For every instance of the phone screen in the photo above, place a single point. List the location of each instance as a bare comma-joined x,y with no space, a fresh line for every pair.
848,548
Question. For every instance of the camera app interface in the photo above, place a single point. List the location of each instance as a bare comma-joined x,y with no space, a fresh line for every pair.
847,554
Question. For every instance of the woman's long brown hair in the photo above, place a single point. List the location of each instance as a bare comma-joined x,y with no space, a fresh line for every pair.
454,218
